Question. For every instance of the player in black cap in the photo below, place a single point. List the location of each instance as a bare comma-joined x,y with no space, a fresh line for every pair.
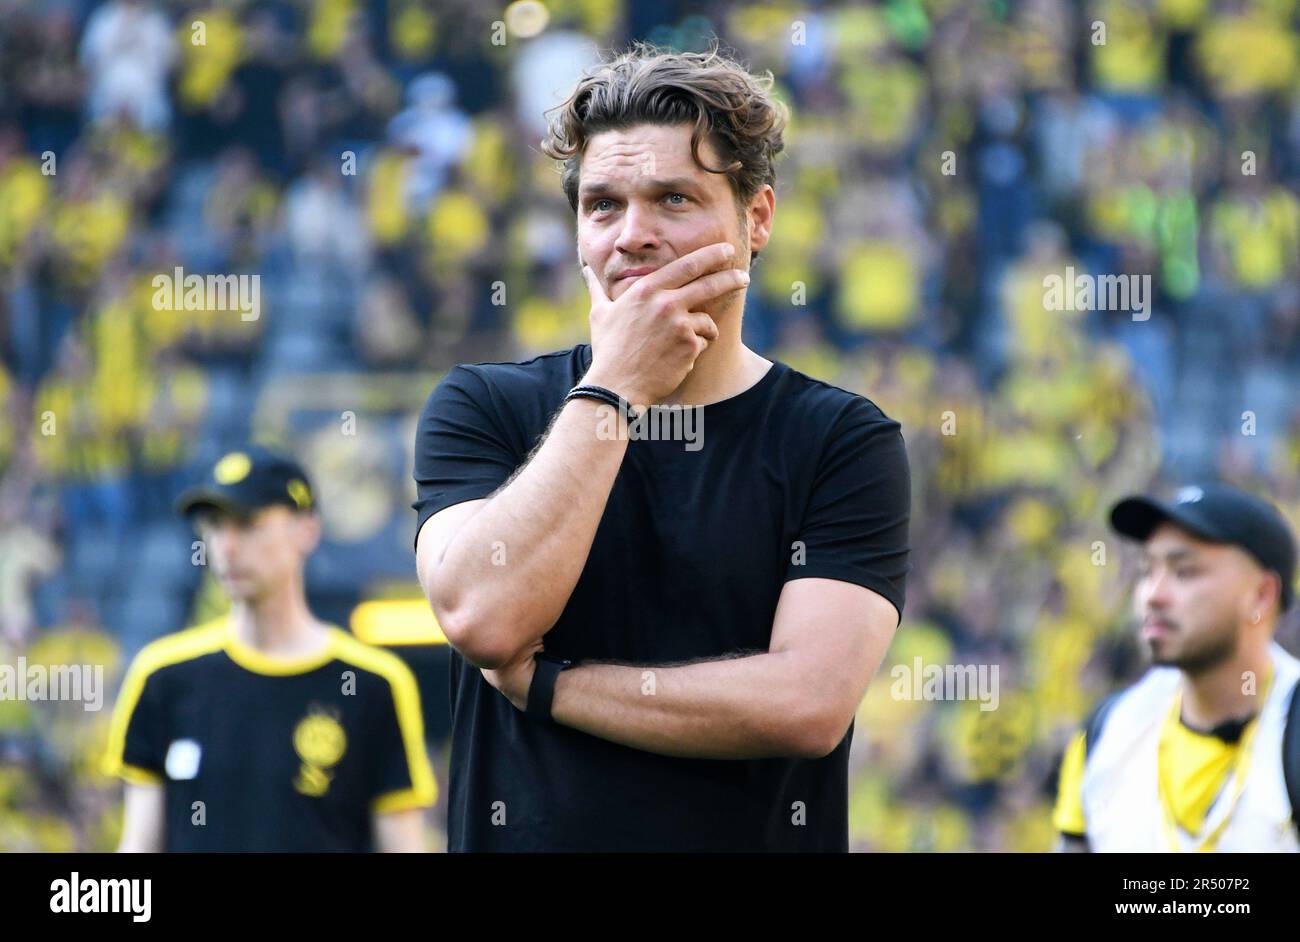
267,730
1202,753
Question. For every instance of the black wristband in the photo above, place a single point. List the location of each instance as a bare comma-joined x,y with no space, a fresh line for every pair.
541,692
608,396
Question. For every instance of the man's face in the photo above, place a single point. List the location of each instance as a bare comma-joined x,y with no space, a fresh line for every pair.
251,554
643,202
1192,597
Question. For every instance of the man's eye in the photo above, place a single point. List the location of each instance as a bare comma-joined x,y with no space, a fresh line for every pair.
681,196
599,206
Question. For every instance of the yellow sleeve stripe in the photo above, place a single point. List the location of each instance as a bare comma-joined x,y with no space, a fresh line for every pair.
1068,814
406,698
401,801
171,649
138,776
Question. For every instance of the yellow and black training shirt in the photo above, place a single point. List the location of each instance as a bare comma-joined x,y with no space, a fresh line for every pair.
265,754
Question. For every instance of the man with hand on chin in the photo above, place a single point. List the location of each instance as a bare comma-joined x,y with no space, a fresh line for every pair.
659,647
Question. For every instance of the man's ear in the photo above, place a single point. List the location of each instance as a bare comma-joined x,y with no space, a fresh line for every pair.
1273,594
310,529
759,214
1267,596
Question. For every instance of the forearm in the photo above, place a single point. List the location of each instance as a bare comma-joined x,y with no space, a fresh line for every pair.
142,820
741,708
400,832
507,574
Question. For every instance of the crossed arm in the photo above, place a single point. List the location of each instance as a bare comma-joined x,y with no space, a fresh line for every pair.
796,699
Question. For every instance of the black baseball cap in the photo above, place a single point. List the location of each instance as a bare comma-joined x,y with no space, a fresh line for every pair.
1221,514
249,479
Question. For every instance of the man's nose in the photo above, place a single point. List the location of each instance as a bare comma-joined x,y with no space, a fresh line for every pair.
640,231
1155,590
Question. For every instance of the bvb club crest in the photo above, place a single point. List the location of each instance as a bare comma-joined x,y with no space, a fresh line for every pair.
320,743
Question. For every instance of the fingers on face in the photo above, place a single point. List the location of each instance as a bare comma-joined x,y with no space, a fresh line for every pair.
712,286
704,326
688,268
593,285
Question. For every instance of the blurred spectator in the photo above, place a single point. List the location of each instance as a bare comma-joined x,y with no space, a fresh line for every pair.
435,131
128,51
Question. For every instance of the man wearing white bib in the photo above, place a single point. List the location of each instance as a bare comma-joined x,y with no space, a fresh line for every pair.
1203,752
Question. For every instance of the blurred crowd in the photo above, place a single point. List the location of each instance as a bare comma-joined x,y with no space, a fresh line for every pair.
376,163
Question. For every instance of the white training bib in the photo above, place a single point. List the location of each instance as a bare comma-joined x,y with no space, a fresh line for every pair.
1121,801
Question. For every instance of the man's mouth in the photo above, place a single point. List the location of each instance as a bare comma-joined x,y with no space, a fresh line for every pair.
1158,628
634,273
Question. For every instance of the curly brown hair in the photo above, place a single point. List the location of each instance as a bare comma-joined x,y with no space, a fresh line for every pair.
734,109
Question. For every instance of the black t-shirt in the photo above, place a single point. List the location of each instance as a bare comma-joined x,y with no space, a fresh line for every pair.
283,756
792,478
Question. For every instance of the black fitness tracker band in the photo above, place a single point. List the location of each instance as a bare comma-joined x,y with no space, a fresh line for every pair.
541,692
